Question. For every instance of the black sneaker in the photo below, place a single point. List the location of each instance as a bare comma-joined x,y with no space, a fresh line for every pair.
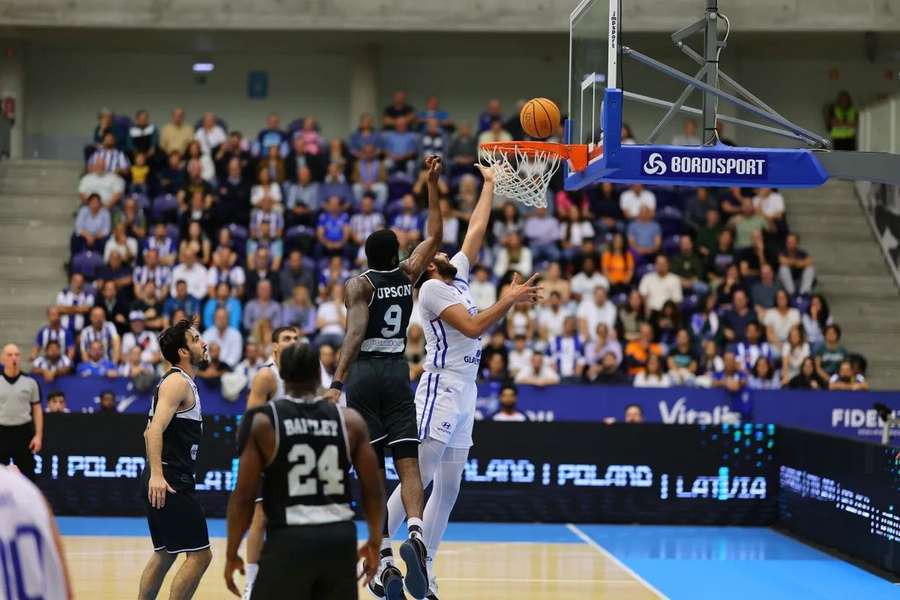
431,596
388,585
414,553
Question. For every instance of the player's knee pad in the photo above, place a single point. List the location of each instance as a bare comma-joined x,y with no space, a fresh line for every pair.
405,450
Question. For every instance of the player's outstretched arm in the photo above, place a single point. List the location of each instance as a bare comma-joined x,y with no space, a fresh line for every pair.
256,443
262,388
367,468
478,222
358,293
172,393
57,542
424,252
475,325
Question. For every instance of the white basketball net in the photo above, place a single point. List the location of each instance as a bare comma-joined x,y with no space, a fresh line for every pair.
523,176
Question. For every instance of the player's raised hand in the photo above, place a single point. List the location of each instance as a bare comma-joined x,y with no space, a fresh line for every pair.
434,166
529,291
232,564
369,554
486,172
156,492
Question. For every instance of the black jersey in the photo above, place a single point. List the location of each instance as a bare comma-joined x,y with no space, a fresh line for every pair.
181,438
389,313
308,480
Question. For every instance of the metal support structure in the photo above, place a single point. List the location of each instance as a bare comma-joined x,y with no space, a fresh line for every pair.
711,59
674,108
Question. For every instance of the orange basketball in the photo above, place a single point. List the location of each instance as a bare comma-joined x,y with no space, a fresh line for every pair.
539,117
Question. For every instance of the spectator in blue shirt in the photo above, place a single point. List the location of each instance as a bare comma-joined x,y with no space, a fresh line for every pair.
96,364
335,184
494,111
407,224
434,111
333,230
181,300
272,135
401,148
645,236
365,135
92,226
735,320
222,299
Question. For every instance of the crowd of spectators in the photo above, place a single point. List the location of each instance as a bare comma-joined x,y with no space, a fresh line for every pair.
644,287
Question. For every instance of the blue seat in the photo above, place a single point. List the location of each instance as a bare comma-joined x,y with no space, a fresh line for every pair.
164,208
87,263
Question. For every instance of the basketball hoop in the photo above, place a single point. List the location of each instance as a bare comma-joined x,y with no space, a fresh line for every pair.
523,170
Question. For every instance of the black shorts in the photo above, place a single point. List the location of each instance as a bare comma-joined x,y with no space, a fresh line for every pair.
379,388
314,562
180,525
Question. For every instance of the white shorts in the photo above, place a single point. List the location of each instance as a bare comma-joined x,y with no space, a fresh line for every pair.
445,409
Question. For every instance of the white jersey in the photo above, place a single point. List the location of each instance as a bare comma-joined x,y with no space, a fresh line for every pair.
279,382
446,349
33,568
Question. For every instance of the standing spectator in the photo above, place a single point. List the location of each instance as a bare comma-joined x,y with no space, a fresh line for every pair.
109,186
795,267
690,267
370,178
102,331
832,354
793,354
763,376
92,226
779,321
846,380
494,112
595,311
110,157
56,402
567,351
745,224
52,364
808,378
262,308
513,256
365,135
141,338
401,147
638,351
95,364
508,412
843,119
653,376
210,134
660,286
176,134
74,302
21,416
228,338
751,348
54,331
542,232
181,299
398,111
635,198
222,298
331,317
644,236
688,135
539,372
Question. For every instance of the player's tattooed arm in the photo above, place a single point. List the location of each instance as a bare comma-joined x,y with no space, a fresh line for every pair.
367,468
172,394
478,222
424,252
358,294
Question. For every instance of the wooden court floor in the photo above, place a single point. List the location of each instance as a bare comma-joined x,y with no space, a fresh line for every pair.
110,568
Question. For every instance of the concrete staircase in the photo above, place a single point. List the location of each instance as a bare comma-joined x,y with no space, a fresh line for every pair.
37,202
852,274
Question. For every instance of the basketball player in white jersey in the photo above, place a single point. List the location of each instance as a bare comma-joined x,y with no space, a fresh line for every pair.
28,526
266,385
446,395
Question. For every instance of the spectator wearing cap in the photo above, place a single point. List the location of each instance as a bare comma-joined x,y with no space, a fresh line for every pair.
92,226
52,363
660,286
103,332
54,331
56,402
847,380
109,186
21,417
181,299
636,198
830,356
139,337
176,134
508,412
193,273
228,338
795,270
539,371
95,363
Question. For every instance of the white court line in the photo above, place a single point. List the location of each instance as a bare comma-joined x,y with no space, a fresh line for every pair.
521,580
590,542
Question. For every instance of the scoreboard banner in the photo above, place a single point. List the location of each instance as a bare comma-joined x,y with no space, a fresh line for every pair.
552,472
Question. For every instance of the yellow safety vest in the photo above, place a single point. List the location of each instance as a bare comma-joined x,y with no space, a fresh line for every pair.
844,132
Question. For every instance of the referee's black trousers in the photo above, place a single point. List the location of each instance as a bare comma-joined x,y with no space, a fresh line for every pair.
14,440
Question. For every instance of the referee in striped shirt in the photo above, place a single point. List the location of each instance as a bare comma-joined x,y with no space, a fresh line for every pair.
21,417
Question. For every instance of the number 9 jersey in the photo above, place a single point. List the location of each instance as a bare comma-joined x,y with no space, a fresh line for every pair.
389,312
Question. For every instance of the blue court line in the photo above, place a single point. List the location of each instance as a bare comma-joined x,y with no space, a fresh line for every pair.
687,563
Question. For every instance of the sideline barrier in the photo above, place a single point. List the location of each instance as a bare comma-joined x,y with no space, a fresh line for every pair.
841,413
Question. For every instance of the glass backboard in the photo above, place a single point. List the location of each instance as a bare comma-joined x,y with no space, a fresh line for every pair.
589,27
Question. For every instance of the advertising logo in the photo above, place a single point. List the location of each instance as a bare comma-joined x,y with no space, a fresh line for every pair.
706,165
655,165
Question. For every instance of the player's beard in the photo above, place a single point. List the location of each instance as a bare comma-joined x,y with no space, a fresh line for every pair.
201,361
445,269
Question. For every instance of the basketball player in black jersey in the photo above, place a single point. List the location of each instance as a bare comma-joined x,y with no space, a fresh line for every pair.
304,446
379,305
177,523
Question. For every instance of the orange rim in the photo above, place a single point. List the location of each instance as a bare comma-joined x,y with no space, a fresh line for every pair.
577,154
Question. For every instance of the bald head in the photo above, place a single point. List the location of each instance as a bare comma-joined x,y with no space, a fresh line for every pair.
12,360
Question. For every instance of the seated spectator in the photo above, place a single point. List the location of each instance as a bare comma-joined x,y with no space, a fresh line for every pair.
644,236
553,281
152,271
660,286
192,273
366,221
513,256
735,320
254,360
108,186
795,271
109,157
259,269
126,247
234,196
210,134
482,289
134,218
370,178
708,235
294,273
92,226
165,247
696,208
172,177
520,355
203,165
451,225
365,135
272,163
552,316
216,367
688,135
666,322
226,336
595,311
433,141
397,111
401,148
808,377
333,230
722,257
731,378
225,269
779,321
180,299
830,356
745,223
763,376
637,352
149,302
176,134
262,307
587,280
763,292
105,124
54,331
196,240
607,372
632,315
335,272
705,322
56,402
407,224
793,353
730,202
114,307
690,267
604,208
728,286
508,223
752,347
653,375
331,317
271,136
141,338
463,150
299,311
52,363
265,187
682,360
222,297
494,133
233,150
815,320
539,372
508,412
102,331
617,264
95,363
434,111
265,239
846,380
493,111
710,364
635,198
770,205
567,351
603,341
134,365
751,259
542,231
143,136
521,321
302,199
